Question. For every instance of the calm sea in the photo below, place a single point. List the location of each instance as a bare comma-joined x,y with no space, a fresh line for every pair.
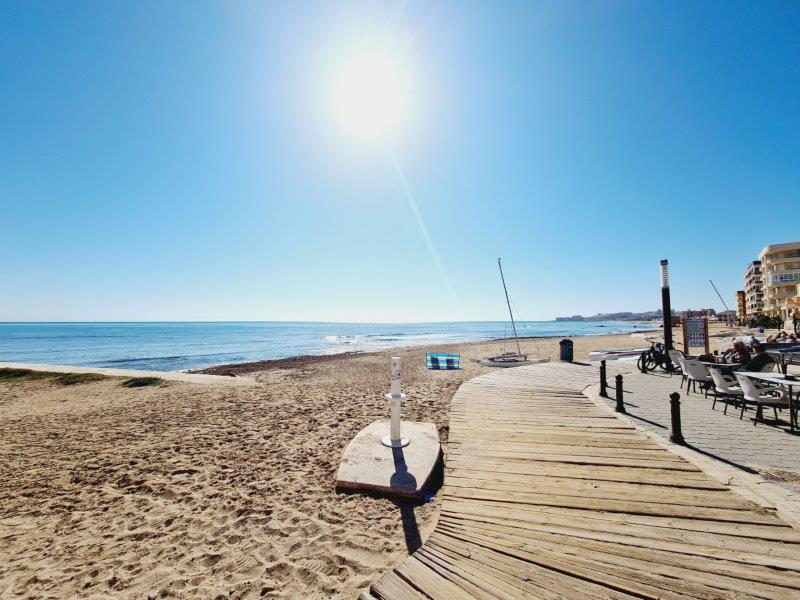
178,346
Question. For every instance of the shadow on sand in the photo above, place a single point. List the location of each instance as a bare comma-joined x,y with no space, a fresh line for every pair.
407,506
403,478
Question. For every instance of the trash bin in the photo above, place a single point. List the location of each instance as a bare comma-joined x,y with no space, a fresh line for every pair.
565,347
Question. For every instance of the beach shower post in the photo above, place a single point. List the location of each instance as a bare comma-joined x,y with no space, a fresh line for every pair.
374,460
395,397
666,309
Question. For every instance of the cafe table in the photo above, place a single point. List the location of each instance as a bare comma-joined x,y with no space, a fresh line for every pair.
784,356
784,381
726,368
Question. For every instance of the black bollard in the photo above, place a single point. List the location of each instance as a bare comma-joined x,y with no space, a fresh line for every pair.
620,406
603,382
675,435
644,362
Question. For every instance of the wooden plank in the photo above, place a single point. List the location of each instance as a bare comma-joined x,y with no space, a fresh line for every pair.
590,478
611,505
627,442
534,448
598,461
611,473
773,529
557,435
391,586
653,495
430,582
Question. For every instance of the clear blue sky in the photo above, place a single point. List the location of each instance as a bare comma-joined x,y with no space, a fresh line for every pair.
176,161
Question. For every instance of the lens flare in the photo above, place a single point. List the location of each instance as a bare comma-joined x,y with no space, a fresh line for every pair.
371,94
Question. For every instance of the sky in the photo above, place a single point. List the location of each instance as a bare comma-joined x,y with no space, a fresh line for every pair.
181,160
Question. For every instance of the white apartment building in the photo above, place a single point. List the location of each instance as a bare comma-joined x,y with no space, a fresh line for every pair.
753,289
780,276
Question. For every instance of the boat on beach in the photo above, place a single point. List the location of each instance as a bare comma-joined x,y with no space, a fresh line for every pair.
509,359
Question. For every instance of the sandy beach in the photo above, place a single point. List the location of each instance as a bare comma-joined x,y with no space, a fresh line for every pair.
185,490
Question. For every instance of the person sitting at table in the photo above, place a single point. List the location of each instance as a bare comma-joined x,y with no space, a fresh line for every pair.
738,353
759,361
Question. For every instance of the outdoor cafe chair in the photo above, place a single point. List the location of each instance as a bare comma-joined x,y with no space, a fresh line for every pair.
676,358
695,372
760,396
725,388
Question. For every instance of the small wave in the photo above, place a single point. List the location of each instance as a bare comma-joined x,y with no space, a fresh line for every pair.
381,337
149,359
121,361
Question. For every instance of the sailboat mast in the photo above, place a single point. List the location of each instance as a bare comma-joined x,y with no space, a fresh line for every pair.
508,302
720,295
721,300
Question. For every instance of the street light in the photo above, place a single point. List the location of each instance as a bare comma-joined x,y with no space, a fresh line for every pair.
666,309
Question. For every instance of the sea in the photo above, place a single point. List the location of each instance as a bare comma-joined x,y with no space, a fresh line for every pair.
195,345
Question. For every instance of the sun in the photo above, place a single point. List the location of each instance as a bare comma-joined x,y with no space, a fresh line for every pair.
371,94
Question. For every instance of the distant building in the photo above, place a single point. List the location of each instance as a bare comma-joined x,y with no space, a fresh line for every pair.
728,316
780,268
741,306
697,313
753,289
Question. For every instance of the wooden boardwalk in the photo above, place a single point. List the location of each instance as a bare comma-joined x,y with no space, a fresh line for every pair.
547,495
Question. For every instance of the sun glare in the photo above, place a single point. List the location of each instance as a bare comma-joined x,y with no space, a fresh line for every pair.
371,94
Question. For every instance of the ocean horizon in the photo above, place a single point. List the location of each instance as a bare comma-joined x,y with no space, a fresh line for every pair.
175,346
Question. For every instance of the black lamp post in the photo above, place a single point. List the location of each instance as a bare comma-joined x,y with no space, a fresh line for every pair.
667,311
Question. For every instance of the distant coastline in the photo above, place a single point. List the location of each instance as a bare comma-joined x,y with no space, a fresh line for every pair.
651,315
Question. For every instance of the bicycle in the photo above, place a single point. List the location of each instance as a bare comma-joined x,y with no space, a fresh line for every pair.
656,356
